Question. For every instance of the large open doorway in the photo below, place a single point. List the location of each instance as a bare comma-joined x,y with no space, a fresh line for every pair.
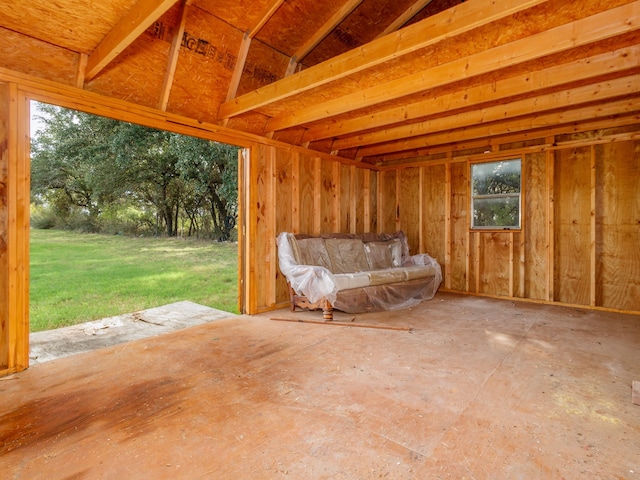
127,218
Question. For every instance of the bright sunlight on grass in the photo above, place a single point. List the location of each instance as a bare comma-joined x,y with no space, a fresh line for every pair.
77,278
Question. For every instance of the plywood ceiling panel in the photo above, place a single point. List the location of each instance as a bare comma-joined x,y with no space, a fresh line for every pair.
76,25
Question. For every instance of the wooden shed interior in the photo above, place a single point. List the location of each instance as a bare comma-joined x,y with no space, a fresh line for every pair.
357,116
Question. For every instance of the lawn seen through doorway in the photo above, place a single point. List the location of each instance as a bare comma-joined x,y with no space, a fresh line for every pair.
79,277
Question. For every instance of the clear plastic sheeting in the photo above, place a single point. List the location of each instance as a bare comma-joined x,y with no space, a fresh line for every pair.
312,281
358,273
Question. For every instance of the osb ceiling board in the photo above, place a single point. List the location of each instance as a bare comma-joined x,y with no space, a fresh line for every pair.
205,65
263,66
137,65
241,14
37,58
436,6
77,25
294,22
364,24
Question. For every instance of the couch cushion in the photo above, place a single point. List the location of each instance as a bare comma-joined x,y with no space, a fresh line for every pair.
314,252
389,275
345,281
378,255
347,255
396,252
419,271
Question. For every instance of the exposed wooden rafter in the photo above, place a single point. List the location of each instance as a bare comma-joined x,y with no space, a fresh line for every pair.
342,13
174,53
246,43
136,21
446,24
579,70
602,26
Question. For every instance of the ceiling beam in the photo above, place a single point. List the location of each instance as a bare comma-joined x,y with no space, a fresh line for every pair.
429,31
241,59
602,91
342,13
407,15
136,21
617,61
409,157
601,26
511,125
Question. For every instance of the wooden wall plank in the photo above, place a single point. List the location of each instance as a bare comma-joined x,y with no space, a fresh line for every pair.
495,262
535,231
372,205
618,220
409,206
264,275
592,228
284,207
328,197
5,324
345,196
459,225
295,192
14,229
387,201
572,225
306,185
362,200
434,222
447,229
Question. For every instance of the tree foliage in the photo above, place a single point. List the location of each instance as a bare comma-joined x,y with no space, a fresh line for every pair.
496,194
97,174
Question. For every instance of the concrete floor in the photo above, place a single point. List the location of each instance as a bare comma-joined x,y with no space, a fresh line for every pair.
480,388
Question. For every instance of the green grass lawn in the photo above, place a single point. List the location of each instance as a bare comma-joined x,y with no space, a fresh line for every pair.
76,277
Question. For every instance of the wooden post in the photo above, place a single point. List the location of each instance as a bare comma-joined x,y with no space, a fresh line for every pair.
592,241
447,224
366,193
14,230
550,161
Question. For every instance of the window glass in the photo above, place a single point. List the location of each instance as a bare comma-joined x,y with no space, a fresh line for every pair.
495,194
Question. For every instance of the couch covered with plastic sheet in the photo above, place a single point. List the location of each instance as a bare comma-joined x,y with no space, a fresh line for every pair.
355,273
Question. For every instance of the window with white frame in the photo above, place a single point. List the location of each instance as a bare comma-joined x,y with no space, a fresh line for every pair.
496,194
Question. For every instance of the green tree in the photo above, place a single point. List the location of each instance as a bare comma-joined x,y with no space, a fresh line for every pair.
93,166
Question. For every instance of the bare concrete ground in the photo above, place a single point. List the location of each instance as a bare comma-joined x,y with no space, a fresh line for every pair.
52,344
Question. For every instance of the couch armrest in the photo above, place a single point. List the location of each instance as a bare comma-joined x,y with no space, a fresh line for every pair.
311,281
425,259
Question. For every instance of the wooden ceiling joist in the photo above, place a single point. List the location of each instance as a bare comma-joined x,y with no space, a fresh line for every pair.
602,26
414,157
343,12
407,15
136,21
626,105
616,61
600,91
429,31
534,105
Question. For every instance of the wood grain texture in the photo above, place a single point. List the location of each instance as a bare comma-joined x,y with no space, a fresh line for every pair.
572,225
618,220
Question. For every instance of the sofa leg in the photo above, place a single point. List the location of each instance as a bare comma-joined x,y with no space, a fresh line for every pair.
327,311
